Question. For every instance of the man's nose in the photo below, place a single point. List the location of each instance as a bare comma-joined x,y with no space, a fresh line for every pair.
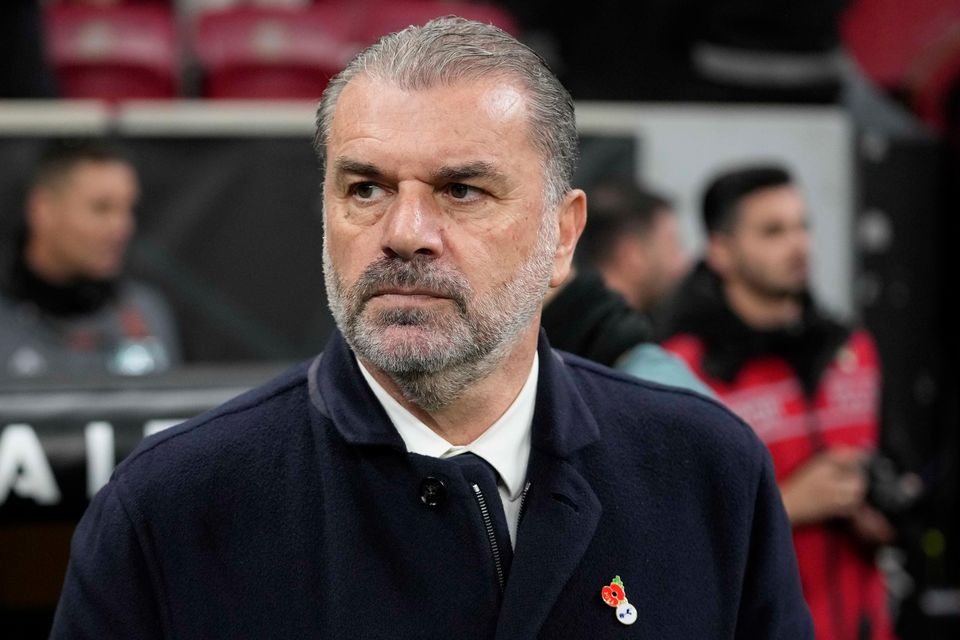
412,225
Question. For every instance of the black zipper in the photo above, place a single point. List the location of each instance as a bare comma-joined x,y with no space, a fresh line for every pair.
523,503
491,534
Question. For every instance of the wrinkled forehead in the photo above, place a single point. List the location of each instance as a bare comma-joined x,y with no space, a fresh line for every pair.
497,96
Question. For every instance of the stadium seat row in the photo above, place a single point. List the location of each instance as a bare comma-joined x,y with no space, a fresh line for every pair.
124,51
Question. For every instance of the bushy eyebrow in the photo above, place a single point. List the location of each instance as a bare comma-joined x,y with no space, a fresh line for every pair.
346,165
446,174
469,171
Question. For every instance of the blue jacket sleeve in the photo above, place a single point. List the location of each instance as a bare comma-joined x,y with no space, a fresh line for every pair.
772,605
648,361
108,591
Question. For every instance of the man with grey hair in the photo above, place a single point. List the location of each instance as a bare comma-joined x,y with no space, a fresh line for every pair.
439,471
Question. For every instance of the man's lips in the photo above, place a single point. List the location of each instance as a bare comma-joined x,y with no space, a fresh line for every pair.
408,295
411,291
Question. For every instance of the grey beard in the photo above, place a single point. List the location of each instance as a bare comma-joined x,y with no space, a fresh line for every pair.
430,380
477,340
433,385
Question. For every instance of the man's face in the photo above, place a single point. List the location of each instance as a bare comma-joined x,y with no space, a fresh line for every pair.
770,244
667,260
84,222
437,247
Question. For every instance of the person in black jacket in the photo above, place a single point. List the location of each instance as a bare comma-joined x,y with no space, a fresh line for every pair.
633,239
439,471
629,257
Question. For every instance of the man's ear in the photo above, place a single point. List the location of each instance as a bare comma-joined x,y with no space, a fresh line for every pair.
571,217
718,252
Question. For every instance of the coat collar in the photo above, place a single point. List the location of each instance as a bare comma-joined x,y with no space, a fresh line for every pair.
562,510
562,423
339,392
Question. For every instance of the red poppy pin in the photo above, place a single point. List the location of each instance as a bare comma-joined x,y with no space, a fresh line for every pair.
616,596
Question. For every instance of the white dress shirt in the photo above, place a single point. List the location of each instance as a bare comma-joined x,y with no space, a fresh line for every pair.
505,445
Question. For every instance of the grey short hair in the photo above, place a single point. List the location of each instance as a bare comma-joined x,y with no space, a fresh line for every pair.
451,49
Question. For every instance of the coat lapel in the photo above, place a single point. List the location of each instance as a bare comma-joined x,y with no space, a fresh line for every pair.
560,519
561,512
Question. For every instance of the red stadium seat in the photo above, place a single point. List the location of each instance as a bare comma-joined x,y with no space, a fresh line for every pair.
889,38
388,16
931,84
912,48
273,52
113,52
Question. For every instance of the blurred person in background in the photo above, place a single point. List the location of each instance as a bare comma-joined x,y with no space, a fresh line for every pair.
633,240
65,307
628,257
745,322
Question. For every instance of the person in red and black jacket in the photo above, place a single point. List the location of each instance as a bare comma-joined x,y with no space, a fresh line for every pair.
808,385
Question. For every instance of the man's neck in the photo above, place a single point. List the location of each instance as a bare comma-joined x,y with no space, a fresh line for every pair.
66,296
467,418
43,265
760,311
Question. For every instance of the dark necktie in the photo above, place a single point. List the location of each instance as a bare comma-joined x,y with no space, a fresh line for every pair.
482,479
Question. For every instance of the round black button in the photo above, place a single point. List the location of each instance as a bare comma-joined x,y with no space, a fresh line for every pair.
432,491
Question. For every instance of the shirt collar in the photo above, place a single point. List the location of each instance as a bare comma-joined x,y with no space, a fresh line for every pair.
505,445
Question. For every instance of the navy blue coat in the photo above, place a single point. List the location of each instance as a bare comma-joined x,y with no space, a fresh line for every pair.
295,511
